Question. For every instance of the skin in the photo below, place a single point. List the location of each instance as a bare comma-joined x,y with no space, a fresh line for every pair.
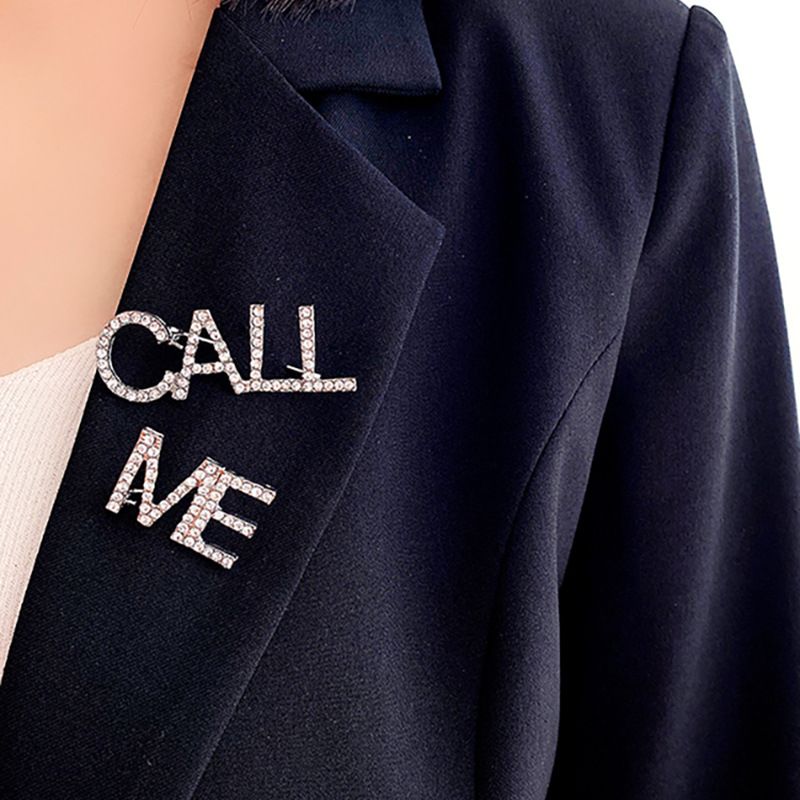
91,93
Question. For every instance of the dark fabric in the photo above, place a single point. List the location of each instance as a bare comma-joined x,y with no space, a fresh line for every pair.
550,547
298,9
371,47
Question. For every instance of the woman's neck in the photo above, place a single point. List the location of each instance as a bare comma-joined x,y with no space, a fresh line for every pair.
91,92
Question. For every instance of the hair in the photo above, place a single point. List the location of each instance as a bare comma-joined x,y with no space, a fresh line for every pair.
297,9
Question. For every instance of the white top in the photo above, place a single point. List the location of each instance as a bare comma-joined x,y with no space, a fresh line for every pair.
40,408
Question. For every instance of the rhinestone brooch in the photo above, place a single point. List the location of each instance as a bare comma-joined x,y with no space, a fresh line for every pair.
209,483
203,328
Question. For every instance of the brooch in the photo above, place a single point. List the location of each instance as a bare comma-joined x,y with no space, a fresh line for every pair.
210,480
177,383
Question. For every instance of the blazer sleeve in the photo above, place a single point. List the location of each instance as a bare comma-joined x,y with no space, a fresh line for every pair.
679,608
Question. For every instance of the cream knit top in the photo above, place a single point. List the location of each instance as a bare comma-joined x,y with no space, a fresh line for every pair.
40,408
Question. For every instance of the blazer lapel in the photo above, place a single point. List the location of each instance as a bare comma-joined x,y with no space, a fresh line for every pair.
131,650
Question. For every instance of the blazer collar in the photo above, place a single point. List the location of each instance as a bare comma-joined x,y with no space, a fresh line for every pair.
378,46
131,651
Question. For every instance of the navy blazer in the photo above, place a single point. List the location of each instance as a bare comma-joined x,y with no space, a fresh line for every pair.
549,547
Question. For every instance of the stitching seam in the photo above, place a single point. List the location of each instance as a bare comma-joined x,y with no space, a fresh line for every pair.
529,482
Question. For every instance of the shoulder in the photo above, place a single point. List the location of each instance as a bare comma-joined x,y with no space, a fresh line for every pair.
635,23
608,34
594,78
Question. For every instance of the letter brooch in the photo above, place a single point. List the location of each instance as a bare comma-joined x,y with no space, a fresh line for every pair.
209,482
177,383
